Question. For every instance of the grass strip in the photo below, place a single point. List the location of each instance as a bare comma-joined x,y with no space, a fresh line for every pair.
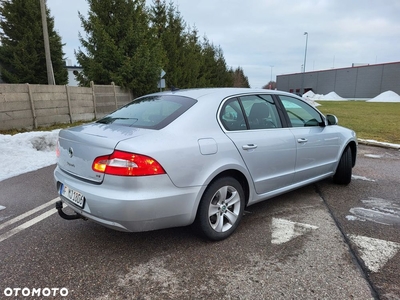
378,121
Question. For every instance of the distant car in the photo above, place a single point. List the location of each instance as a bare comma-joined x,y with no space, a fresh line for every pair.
197,157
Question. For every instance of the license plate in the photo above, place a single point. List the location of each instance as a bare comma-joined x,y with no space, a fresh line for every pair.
73,196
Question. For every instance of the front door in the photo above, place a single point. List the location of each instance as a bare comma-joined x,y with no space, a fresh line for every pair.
317,144
268,150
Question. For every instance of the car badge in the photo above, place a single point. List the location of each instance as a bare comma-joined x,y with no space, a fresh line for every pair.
71,152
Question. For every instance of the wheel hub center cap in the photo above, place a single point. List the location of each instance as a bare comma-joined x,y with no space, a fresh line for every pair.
223,208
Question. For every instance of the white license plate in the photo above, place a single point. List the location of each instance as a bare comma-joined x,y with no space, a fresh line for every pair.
73,196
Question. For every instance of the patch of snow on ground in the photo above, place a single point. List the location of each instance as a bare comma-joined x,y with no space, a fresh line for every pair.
309,98
332,96
25,152
309,94
353,218
361,178
315,97
388,96
373,155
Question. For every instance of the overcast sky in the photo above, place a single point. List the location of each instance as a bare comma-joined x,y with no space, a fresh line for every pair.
268,35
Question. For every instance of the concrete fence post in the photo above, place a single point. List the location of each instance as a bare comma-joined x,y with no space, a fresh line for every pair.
115,95
94,100
35,125
69,104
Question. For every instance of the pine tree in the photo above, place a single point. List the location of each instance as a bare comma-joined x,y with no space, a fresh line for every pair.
214,69
193,59
239,79
22,54
189,62
170,30
120,46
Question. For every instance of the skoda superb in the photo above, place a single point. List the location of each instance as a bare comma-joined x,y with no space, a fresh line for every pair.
197,157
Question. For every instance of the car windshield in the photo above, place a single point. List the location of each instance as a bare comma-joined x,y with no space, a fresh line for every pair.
153,112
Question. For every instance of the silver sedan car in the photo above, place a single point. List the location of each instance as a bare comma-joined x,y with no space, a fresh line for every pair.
197,157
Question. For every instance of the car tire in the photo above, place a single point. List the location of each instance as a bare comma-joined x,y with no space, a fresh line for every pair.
220,209
344,169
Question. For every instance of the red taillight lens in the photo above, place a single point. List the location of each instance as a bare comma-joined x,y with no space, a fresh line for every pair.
127,164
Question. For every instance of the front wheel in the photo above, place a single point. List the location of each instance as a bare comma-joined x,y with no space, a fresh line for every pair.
344,169
220,209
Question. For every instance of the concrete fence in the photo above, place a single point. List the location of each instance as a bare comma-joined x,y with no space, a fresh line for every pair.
30,106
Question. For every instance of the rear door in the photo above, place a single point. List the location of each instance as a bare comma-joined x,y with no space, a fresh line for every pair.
268,150
317,145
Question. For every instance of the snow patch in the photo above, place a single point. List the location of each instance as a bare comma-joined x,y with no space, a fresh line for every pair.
373,155
309,94
377,210
28,151
353,218
332,96
361,178
388,96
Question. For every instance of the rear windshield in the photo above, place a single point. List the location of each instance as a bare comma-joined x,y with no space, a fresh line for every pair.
153,112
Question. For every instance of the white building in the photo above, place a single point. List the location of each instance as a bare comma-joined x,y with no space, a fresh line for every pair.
72,70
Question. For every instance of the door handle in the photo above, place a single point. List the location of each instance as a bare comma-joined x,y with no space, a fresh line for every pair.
249,146
302,140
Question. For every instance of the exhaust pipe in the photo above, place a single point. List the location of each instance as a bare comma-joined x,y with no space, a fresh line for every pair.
59,207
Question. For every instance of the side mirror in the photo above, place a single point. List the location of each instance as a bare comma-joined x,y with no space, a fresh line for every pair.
332,120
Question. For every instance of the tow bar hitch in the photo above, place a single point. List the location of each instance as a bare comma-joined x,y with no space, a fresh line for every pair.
59,207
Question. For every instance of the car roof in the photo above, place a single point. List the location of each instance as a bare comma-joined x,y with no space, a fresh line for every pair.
220,92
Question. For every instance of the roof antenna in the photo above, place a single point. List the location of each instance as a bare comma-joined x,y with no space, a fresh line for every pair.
173,89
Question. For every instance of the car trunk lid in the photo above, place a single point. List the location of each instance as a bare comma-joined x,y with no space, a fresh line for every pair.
79,146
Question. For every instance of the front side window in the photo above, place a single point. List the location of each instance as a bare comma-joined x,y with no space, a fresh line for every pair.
300,113
153,112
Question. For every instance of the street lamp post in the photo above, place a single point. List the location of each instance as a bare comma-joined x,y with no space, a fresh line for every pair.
305,52
270,82
304,65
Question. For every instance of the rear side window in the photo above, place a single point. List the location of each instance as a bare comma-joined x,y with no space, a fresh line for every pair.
261,112
250,112
153,112
232,116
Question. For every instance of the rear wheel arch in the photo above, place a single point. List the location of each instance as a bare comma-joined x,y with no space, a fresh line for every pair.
230,174
239,176
221,207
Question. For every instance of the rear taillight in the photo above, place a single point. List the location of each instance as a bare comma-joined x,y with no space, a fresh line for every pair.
127,164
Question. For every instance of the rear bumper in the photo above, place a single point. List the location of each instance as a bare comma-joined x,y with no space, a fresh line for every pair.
133,204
